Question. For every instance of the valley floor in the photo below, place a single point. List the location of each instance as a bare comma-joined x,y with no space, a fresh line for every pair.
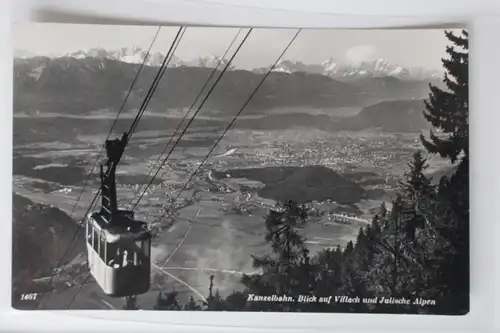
218,222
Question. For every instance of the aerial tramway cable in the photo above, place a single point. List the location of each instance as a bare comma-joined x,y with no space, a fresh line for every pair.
179,126
216,143
157,79
227,128
122,107
149,94
151,91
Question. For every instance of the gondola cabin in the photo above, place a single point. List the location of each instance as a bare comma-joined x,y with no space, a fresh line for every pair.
118,245
119,254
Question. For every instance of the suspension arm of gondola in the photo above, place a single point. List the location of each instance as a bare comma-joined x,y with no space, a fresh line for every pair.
122,107
115,148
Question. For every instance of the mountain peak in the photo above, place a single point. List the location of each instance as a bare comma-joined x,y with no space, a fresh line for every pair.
343,70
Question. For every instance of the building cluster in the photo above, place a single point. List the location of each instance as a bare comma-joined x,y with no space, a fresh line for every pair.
384,153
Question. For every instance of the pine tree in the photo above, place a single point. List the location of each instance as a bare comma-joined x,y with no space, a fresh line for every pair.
414,188
131,303
214,300
415,182
236,301
288,270
390,272
218,303
449,217
348,270
356,263
448,110
330,275
192,305
361,257
349,248
167,302
383,210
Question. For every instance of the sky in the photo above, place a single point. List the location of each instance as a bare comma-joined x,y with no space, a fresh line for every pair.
409,48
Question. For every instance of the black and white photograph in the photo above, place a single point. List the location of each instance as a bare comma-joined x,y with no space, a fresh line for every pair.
183,168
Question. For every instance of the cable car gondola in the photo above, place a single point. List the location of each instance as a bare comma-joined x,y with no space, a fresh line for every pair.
118,246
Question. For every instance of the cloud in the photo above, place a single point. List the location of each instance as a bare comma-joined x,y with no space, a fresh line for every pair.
360,53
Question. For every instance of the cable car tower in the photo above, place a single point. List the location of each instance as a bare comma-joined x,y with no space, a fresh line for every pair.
118,246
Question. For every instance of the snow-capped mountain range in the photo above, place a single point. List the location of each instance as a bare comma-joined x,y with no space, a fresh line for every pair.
331,67
374,68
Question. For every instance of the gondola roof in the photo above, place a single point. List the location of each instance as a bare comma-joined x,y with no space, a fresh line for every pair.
126,228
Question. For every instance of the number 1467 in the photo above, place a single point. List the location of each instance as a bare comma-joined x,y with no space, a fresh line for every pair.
28,297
